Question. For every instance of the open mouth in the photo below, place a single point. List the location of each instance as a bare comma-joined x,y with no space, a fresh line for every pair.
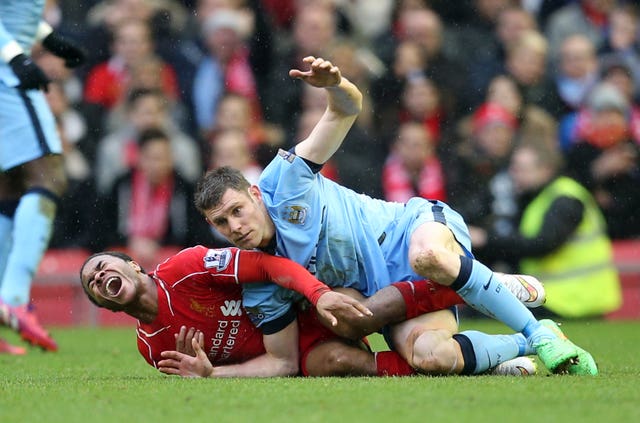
114,284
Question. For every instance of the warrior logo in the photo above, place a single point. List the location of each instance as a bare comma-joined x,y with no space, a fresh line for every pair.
231,308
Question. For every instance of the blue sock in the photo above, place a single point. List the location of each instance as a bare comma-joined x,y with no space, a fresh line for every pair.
479,288
6,226
482,351
32,225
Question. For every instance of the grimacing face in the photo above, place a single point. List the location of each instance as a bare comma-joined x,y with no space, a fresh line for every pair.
111,281
241,218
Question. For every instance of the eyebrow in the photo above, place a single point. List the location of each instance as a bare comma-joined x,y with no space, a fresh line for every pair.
96,268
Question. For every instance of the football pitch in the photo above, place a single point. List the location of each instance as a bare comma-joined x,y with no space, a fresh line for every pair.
98,376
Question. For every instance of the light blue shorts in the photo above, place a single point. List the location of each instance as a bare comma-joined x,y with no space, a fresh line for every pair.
397,236
27,127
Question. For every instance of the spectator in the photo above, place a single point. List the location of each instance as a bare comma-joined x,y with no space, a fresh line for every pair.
232,148
616,71
413,169
577,71
225,68
533,121
421,102
477,181
487,62
107,82
621,43
587,17
313,31
117,152
606,160
151,206
561,238
526,62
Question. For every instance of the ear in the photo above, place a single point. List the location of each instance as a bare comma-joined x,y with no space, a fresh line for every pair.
135,266
255,193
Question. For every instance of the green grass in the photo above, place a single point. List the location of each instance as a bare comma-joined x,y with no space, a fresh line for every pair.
97,376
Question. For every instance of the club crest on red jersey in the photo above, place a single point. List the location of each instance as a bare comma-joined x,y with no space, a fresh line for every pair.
218,258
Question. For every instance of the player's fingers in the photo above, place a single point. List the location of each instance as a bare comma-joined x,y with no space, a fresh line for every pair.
325,65
362,308
173,355
196,346
330,318
201,339
309,59
318,62
180,338
169,370
169,363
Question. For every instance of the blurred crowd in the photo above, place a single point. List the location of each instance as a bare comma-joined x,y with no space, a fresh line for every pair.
451,89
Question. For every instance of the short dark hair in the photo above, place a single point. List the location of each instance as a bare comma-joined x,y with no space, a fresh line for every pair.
125,257
151,134
137,93
212,186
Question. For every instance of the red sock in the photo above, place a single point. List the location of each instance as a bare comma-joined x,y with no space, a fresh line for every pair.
389,363
425,296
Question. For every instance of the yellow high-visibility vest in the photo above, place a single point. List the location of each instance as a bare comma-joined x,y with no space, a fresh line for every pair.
579,277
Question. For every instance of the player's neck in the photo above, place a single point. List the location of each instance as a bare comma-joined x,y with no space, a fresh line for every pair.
145,308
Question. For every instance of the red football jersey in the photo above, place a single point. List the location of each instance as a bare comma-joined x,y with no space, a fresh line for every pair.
199,287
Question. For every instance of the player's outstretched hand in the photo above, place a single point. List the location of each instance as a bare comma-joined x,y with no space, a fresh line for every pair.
334,303
177,363
322,73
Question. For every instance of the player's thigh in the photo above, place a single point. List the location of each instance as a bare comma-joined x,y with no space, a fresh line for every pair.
405,334
27,127
338,358
46,172
11,186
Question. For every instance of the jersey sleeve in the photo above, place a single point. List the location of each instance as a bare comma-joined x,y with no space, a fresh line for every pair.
287,176
254,266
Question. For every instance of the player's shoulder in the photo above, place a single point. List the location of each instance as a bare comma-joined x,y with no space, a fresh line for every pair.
198,258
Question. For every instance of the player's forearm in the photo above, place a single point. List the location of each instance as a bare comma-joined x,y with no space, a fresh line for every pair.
262,366
345,102
345,99
280,359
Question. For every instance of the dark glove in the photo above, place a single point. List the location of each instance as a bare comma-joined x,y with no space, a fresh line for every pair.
72,54
30,75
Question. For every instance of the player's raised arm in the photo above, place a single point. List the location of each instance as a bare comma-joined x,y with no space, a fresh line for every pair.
344,104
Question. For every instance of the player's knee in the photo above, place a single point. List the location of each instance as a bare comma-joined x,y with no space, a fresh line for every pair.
426,259
434,352
337,362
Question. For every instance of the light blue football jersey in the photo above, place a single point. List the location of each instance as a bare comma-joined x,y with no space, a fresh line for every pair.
19,20
344,238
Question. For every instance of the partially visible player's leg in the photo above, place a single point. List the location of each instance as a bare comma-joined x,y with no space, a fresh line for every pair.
341,358
430,344
435,252
34,156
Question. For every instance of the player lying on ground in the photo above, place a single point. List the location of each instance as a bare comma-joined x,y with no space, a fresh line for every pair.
199,288
351,240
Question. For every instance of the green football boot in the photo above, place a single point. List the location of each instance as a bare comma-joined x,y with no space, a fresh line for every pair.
583,365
